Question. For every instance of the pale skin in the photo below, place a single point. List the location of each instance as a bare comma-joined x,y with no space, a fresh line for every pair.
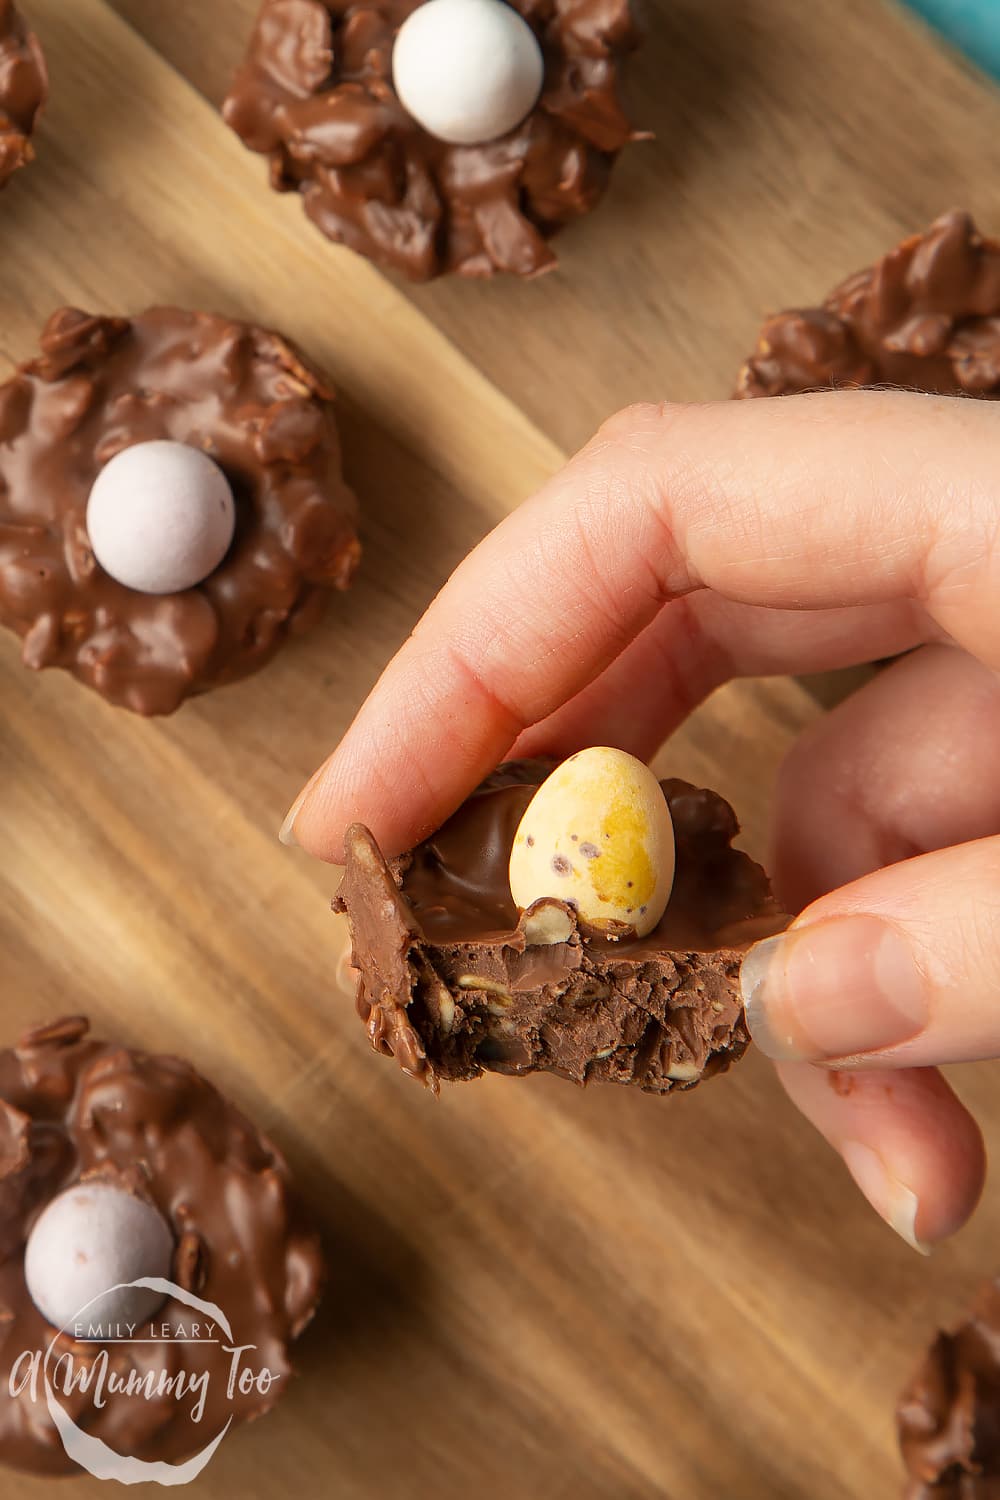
690,544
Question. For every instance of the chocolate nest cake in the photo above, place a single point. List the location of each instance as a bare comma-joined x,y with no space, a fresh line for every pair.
949,1415
926,317
24,88
315,95
453,982
242,395
74,1109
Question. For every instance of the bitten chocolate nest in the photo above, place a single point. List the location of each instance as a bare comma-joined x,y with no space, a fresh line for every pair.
24,88
245,397
315,94
73,1110
454,982
926,317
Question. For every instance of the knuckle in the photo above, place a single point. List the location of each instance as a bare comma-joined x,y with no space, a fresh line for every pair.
634,425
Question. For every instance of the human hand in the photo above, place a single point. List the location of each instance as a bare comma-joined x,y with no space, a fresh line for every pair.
690,544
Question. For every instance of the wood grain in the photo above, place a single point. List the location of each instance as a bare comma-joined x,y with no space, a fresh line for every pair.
794,142
535,1292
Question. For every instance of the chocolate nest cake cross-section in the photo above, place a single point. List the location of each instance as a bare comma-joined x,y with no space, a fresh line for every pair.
453,981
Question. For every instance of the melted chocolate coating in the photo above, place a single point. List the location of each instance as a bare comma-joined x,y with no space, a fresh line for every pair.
315,95
926,317
73,1108
24,88
949,1415
248,399
454,981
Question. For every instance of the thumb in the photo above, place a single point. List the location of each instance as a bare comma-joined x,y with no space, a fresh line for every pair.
898,969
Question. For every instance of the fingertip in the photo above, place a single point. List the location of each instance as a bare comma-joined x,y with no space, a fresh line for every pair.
286,833
911,1146
893,1200
949,1162
312,822
346,789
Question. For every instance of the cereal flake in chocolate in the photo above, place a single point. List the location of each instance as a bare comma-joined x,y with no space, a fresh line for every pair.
453,982
926,317
24,87
74,1109
949,1415
246,398
315,95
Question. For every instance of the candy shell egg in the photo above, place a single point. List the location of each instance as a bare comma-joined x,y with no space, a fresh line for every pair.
598,835
468,71
90,1238
160,517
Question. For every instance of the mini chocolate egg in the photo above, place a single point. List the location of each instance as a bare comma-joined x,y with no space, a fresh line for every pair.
598,835
91,1238
160,517
468,71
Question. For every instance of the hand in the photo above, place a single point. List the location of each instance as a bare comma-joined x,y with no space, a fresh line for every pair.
690,544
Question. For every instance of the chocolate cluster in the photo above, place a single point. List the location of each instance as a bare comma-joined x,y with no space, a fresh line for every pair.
24,88
75,1109
949,1415
926,317
315,95
454,981
249,400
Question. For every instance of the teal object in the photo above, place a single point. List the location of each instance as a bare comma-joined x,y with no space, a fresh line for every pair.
973,25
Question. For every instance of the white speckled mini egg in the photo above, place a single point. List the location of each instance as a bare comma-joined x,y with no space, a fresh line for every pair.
161,517
468,71
91,1238
598,835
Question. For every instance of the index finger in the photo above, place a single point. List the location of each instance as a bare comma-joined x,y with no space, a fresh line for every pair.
804,503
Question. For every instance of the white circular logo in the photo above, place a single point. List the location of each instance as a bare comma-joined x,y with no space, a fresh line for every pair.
95,1456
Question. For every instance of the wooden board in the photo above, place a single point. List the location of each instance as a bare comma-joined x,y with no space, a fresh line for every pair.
535,1291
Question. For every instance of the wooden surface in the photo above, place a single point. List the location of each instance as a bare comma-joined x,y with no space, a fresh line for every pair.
535,1292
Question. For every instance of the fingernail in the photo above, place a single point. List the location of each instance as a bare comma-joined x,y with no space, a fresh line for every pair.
831,990
891,1199
286,833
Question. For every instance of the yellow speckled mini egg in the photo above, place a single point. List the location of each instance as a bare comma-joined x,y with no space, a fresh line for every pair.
598,835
